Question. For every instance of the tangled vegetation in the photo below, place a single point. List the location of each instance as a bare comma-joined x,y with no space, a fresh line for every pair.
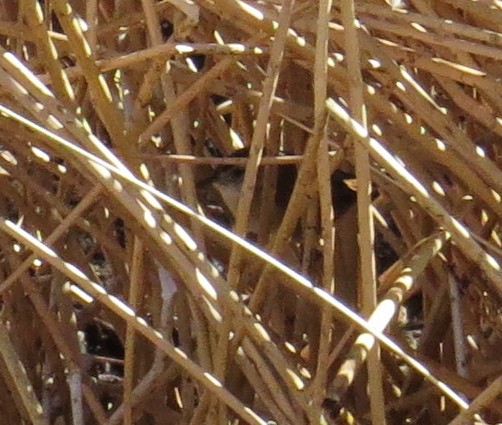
250,212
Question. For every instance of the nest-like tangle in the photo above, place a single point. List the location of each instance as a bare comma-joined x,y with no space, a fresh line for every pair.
202,200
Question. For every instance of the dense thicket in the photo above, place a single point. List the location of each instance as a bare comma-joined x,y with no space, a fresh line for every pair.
209,209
